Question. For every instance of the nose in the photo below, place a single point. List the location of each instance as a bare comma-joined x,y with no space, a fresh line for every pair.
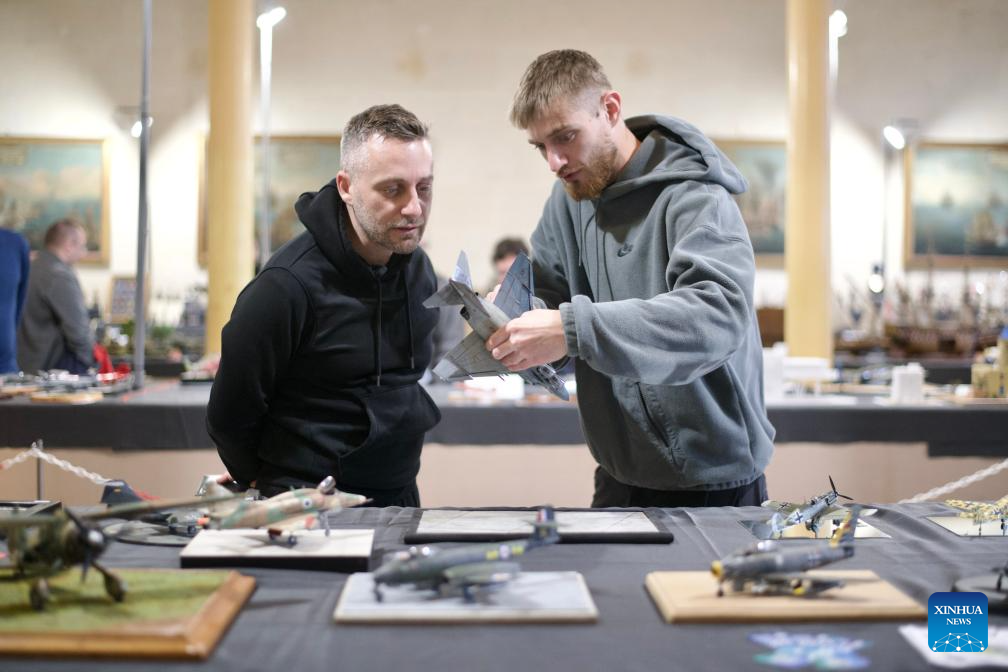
413,208
555,161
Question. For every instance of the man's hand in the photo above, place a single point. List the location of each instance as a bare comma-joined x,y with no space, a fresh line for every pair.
534,338
492,296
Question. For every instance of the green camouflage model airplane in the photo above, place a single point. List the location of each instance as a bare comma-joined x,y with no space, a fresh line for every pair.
464,567
983,512
43,546
289,512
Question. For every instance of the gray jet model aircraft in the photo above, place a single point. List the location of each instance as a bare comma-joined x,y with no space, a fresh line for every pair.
470,358
766,568
464,567
788,514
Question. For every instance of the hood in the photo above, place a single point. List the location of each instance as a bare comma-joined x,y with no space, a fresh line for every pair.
673,150
324,214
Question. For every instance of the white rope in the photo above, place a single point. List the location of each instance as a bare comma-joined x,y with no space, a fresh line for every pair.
934,493
37,452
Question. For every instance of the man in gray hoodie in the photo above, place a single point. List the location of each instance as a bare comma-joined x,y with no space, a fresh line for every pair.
646,264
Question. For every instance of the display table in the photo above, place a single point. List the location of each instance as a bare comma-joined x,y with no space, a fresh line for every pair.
168,415
287,624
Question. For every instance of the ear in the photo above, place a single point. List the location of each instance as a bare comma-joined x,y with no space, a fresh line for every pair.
612,104
343,187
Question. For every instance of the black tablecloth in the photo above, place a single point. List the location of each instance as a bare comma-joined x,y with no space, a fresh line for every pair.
287,625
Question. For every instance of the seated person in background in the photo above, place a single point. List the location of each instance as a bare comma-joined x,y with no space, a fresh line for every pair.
13,288
504,254
321,358
55,332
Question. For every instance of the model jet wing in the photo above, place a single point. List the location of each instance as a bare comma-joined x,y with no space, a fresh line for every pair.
782,507
481,573
293,524
801,585
469,358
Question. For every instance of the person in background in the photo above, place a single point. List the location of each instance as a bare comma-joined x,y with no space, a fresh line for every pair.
646,265
14,269
55,332
504,253
321,358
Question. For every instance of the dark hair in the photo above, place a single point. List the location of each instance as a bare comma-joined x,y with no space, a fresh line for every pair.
564,74
507,247
60,230
387,121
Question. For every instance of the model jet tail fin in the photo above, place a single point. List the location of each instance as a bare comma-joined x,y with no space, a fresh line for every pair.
119,492
515,295
545,527
844,534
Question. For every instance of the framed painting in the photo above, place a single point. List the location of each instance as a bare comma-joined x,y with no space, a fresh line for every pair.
763,163
297,164
45,179
956,205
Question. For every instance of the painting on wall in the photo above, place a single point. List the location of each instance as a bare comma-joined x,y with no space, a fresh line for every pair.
763,163
956,205
46,179
297,164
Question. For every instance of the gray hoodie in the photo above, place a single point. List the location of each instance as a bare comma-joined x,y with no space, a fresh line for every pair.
654,281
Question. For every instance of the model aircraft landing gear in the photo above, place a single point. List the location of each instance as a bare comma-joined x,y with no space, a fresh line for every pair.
39,595
114,586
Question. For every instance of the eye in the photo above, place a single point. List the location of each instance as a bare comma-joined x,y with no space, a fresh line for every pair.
541,149
425,189
391,190
568,137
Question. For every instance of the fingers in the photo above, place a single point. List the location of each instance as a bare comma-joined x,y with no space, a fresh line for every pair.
497,338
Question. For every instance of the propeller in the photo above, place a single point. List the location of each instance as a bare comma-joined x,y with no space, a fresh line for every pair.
92,541
833,485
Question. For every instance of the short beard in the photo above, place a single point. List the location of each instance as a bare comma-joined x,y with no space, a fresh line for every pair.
376,235
598,173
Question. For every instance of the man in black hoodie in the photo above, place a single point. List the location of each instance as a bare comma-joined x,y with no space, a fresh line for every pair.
321,358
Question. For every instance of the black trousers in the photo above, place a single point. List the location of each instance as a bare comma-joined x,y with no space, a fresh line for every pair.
610,492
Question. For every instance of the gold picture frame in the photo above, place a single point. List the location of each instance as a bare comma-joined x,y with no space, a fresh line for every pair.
46,179
763,163
299,163
956,205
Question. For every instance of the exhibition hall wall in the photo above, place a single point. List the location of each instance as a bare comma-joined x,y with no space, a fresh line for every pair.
72,70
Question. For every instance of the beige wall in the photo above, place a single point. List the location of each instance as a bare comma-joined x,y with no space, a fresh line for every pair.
71,66
517,475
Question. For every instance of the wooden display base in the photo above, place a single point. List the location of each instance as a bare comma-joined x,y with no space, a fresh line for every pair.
81,397
691,597
166,614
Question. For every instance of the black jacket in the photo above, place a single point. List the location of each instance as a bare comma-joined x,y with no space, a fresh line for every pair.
320,363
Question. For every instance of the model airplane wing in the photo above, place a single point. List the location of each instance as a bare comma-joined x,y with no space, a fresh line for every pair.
469,358
139,508
515,295
782,507
481,573
801,585
294,524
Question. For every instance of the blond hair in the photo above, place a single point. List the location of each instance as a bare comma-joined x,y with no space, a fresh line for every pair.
561,75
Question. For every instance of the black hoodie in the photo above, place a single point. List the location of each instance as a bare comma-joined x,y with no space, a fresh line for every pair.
320,363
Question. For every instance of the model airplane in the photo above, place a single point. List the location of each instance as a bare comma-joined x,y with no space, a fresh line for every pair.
464,567
43,546
766,568
470,358
182,522
811,514
983,512
289,512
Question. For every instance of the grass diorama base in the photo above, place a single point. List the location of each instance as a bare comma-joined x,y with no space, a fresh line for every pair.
691,597
167,613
